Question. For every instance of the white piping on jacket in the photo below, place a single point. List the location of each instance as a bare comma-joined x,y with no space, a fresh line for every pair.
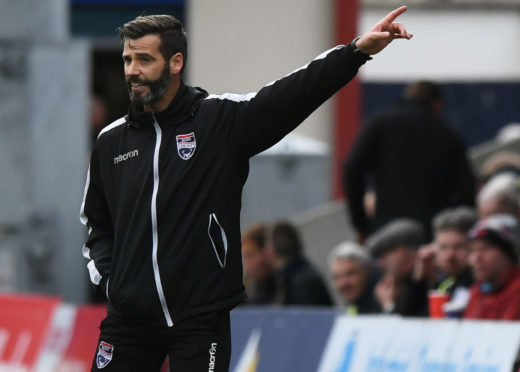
155,234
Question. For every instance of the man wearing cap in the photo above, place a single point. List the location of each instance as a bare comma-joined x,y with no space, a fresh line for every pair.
394,246
494,261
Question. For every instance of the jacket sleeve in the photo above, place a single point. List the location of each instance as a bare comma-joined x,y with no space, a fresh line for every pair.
96,217
509,306
264,118
511,311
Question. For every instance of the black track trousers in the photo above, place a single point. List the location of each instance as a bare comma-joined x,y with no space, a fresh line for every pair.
201,343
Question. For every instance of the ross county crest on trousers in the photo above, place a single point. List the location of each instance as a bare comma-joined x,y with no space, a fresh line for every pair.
104,355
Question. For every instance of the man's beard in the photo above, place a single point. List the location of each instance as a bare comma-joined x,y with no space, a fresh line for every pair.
157,88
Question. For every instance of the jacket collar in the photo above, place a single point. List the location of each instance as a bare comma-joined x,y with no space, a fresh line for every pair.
183,106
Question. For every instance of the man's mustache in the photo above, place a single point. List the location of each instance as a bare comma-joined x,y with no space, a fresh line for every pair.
135,81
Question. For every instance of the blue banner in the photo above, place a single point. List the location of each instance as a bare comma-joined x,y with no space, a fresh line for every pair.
270,340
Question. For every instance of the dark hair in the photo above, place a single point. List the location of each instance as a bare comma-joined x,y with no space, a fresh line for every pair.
169,29
423,92
460,219
286,240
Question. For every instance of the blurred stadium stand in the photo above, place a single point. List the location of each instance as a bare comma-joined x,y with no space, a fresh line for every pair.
44,85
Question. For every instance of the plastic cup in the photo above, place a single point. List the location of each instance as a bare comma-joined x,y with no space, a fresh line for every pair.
436,300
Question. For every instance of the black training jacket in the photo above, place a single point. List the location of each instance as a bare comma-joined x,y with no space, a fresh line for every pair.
163,193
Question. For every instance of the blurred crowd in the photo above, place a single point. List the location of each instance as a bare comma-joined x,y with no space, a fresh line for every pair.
435,237
471,264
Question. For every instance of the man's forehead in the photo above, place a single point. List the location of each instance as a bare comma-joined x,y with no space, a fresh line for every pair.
148,43
451,234
483,244
343,262
250,246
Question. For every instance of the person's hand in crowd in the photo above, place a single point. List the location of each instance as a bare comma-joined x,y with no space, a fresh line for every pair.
424,266
386,292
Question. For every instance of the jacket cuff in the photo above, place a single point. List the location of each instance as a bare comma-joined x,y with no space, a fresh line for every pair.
362,57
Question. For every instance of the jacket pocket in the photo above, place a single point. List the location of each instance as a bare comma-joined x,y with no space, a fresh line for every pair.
218,238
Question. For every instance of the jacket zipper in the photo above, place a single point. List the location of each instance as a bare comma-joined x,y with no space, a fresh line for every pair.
155,235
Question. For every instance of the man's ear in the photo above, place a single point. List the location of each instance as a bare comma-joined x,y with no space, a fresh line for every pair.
176,63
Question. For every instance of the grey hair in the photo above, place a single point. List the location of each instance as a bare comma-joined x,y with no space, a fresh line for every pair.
503,187
460,219
349,250
401,232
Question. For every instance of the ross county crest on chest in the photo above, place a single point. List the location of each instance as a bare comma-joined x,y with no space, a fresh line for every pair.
186,145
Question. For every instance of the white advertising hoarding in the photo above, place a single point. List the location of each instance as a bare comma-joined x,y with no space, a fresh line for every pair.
381,344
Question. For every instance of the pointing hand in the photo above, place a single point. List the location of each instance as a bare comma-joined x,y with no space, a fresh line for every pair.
383,32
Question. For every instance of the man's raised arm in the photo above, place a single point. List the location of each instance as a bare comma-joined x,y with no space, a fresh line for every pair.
265,117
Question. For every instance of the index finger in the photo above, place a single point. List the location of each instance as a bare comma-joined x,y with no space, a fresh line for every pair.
390,17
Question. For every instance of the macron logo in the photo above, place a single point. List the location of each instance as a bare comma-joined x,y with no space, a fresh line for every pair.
212,352
128,155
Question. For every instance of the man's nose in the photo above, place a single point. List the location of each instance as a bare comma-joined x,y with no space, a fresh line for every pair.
475,257
132,70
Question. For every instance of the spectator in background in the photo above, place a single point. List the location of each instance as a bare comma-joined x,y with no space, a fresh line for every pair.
298,283
500,162
354,277
443,265
98,116
494,261
500,195
416,163
508,133
395,246
258,266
